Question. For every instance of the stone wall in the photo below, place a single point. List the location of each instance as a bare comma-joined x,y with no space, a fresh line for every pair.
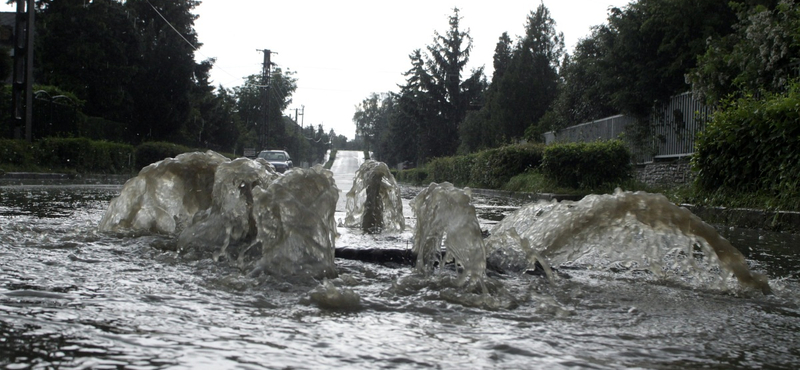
665,173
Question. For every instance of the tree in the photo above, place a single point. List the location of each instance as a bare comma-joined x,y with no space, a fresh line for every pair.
91,50
652,44
250,107
371,119
422,121
522,92
529,86
162,103
282,86
761,55
503,52
480,128
409,115
212,123
452,97
582,96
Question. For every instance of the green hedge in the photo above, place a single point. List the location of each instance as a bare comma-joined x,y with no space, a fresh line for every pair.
495,167
154,151
487,169
456,170
75,154
415,176
84,155
17,153
752,144
587,165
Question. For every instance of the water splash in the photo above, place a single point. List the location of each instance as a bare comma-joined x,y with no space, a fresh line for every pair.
241,210
229,220
330,296
446,217
627,231
296,224
165,195
508,252
373,203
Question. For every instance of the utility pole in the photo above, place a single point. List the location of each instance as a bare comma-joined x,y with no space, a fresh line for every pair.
22,84
300,133
266,71
302,113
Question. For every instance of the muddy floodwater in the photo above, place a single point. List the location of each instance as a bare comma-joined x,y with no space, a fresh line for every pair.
73,297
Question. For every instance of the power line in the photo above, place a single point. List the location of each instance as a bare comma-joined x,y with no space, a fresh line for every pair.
171,26
196,49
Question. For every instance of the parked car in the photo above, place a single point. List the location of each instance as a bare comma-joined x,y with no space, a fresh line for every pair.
278,158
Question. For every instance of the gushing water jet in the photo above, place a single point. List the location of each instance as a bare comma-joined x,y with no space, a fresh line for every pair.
373,203
241,210
446,217
629,231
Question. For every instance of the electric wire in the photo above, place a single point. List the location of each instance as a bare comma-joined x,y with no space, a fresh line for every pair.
282,88
196,49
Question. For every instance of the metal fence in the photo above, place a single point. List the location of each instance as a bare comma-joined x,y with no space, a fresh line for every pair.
670,133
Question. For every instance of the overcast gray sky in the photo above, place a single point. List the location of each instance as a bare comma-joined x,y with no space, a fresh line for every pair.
344,50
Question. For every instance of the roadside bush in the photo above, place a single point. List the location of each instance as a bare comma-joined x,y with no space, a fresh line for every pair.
154,151
455,170
587,165
752,144
84,156
495,167
16,153
112,157
489,169
414,176
65,153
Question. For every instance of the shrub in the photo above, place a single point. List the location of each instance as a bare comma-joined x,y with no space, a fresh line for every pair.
587,165
16,153
455,170
751,144
84,156
414,176
112,157
154,151
490,168
495,167
64,153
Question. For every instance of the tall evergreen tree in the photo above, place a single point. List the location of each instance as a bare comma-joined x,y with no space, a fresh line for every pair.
447,57
409,114
528,86
162,94
90,49
502,56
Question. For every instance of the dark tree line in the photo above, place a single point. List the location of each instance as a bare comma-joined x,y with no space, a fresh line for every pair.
647,51
130,67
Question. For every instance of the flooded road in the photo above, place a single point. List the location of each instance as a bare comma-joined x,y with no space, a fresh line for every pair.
72,297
